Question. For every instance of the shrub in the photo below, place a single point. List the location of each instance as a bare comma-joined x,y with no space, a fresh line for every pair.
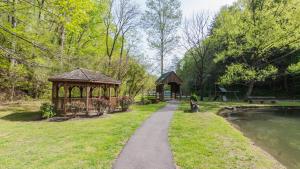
75,107
47,110
102,105
194,97
145,101
125,102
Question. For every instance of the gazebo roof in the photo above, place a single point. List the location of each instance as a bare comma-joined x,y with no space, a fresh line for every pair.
169,77
85,76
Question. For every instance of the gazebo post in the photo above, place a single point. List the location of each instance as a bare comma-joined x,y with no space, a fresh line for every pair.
180,92
117,94
54,94
65,97
87,99
109,94
172,91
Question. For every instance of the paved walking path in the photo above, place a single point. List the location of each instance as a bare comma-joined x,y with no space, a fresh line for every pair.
148,148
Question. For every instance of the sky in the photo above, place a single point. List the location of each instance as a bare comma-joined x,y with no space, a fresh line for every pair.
189,7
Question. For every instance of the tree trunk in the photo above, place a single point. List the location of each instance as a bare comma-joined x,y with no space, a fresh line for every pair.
162,56
250,89
121,57
285,83
201,80
62,42
13,60
202,92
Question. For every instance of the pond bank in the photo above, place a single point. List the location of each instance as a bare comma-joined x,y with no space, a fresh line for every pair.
206,140
274,129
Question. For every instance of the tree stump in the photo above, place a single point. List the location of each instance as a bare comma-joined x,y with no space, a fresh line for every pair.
194,106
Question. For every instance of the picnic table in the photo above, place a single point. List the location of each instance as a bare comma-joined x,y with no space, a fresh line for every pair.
222,93
262,99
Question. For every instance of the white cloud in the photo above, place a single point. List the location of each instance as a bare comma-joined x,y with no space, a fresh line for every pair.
192,6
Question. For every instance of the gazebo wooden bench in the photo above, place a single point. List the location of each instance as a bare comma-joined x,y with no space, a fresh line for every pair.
92,87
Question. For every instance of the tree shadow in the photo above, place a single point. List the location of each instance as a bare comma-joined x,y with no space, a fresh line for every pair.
23,116
188,111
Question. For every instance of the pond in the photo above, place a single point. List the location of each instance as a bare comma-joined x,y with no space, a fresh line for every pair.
276,131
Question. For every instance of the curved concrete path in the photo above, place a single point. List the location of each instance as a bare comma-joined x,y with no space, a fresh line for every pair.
148,148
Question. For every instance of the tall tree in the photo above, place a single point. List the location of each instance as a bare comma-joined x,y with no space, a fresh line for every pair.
248,34
119,20
39,38
198,46
161,21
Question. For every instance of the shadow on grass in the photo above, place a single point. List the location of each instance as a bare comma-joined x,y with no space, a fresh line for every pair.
23,116
188,111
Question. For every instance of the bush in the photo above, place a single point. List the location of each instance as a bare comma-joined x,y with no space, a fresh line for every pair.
125,102
103,105
75,107
47,110
145,101
194,97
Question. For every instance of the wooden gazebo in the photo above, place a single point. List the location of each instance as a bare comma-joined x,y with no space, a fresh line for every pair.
91,87
171,79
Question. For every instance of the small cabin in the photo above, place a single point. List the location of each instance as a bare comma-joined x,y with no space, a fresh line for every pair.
169,78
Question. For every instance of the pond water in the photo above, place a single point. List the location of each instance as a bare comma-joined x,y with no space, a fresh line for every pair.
276,131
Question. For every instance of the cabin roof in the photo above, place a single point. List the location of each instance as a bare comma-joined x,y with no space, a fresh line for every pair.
169,77
84,75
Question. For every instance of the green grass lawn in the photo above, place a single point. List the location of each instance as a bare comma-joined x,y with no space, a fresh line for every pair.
205,140
84,143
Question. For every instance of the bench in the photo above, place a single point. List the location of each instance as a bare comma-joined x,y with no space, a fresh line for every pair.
262,99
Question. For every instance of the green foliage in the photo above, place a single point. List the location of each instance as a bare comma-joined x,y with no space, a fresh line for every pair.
252,41
145,101
194,97
249,31
241,73
125,102
294,68
47,110
51,37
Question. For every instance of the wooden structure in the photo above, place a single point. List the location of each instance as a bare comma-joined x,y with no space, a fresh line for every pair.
91,87
171,79
221,92
262,99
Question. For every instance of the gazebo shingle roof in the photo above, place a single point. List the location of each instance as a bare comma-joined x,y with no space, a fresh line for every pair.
84,75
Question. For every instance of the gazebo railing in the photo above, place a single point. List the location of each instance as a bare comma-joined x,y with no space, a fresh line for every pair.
81,103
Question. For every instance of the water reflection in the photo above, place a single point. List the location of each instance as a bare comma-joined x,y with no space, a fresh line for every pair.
276,131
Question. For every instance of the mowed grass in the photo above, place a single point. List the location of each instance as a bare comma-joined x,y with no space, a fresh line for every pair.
84,143
205,140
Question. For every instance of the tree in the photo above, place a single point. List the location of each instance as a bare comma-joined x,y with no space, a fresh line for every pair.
119,20
161,21
294,68
198,46
40,38
250,35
